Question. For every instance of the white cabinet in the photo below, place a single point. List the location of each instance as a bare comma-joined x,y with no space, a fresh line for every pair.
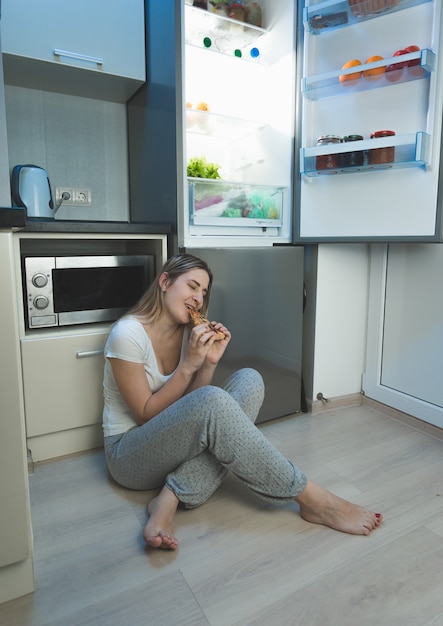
93,48
63,379
15,536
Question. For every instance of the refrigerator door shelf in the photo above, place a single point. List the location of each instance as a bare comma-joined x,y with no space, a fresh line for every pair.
329,85
224,203
224,35
411,150
319,17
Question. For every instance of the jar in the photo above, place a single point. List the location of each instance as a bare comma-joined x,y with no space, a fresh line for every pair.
355,158
236,11
380,156
220,7
327,161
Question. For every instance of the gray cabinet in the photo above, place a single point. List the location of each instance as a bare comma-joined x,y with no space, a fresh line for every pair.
93,48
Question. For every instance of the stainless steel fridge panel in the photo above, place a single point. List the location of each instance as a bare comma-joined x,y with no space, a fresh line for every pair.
258,295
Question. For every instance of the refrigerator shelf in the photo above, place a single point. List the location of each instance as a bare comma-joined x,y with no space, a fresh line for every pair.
224,35
329,85
319,17
225,203
411,150
217,125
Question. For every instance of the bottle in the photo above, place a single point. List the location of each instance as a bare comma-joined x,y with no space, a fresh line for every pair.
327,161
355,158
380,156
201,4
253,14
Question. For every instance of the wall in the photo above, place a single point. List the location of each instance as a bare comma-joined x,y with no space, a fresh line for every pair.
80,141
335,319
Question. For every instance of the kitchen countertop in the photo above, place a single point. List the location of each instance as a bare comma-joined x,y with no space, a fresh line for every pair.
16,218
12,218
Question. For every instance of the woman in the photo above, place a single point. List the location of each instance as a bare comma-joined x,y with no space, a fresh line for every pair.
166,426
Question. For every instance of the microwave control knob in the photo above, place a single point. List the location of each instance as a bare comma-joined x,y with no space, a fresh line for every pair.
39,280
41,302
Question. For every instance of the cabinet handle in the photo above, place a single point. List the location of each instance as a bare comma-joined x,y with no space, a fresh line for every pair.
76,55
85,354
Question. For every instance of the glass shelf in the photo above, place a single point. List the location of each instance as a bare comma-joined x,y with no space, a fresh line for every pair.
329,84
224,35
226,203
410,150
319,17
216,125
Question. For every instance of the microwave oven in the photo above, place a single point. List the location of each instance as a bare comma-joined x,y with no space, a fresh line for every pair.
66,290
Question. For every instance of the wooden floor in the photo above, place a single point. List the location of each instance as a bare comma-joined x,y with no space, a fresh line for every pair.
241,561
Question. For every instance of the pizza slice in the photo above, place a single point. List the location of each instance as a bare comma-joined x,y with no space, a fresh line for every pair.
199,318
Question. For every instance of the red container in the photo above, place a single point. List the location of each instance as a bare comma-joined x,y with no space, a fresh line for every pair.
380,156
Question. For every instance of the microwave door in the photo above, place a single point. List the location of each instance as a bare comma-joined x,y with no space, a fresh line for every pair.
93,293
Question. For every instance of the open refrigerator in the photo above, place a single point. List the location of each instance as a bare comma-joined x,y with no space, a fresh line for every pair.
247,103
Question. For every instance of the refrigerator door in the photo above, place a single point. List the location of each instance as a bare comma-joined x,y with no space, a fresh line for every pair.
258,294
379,187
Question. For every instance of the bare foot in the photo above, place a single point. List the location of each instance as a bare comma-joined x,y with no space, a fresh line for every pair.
158,531
319,506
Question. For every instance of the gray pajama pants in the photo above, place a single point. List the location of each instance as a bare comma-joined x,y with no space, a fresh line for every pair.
191,445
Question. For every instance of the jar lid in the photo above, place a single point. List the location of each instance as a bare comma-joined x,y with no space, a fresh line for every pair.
353,138
382,133
329,139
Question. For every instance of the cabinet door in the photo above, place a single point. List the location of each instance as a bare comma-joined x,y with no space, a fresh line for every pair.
103,36
63,379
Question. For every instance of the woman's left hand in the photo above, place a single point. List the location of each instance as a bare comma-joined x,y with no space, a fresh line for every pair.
216,350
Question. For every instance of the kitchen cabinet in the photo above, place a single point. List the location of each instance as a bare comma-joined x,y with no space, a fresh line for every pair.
63,379
16,576
93,48
62,367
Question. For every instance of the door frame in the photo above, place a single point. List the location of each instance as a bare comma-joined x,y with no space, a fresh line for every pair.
372,386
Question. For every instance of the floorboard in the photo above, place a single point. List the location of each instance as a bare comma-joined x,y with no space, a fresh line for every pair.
242,561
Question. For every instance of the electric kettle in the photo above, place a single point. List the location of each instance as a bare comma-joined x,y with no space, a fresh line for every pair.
31,189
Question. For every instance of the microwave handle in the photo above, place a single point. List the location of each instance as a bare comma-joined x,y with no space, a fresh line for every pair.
85,354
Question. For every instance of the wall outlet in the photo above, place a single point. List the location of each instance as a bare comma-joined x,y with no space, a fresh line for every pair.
64,195
82,197
69,196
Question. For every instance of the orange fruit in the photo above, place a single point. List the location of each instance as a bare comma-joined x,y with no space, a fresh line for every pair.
375,71
202,106
345,77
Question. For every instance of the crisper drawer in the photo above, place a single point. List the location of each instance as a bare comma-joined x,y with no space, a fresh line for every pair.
224,203
63,382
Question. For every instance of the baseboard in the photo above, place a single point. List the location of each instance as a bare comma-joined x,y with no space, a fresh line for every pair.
404,418
331,404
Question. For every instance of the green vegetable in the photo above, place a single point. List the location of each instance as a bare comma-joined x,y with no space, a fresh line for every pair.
198,167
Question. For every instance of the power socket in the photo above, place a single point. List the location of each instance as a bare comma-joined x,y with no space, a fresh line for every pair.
69,196
82,197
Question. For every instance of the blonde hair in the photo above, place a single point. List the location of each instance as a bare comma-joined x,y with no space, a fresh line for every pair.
150,305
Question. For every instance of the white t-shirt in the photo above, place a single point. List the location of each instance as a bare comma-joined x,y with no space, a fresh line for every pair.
128,341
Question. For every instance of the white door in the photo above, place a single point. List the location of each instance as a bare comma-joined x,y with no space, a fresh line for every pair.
405,329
